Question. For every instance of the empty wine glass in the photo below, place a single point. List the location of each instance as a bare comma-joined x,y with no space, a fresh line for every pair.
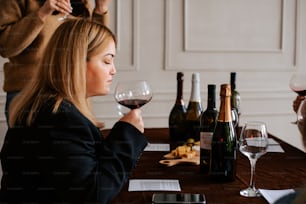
298,85
253,143
132,94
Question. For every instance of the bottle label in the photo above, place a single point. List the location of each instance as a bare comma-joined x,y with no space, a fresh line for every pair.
205,140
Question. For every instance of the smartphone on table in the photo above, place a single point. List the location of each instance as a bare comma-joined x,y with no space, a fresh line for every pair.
178,198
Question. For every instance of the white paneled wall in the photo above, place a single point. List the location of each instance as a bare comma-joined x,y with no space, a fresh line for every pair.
263,41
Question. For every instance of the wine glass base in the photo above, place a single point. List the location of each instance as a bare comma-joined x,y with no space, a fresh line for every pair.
250,192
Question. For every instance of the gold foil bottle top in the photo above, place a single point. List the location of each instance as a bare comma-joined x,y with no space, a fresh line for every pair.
225,90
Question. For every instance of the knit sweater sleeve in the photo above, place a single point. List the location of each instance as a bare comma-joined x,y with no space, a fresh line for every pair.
104,19
19,26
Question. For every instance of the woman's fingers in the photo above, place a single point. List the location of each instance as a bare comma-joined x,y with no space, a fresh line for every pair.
63,6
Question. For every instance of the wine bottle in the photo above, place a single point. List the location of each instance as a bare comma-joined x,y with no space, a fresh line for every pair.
178,113
194,110
208,123
224,146
235,100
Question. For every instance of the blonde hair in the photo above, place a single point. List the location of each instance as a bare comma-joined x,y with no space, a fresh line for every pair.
62,71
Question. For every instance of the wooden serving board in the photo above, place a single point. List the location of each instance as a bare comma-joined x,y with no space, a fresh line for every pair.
170,160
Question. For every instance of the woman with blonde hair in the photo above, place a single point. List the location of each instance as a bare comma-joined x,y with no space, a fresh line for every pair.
54,151
26,27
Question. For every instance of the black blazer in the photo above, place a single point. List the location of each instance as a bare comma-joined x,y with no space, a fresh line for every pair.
62,158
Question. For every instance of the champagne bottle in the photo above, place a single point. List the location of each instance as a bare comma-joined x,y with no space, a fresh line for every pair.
194,110
208,123
178,113
224,147
235,100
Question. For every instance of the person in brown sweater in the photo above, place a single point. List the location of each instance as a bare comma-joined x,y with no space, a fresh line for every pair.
26,26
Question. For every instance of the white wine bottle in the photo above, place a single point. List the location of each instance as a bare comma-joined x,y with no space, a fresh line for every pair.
208,124
178,113
194,110
224,145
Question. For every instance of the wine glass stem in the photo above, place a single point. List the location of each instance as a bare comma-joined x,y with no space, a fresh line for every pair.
253,164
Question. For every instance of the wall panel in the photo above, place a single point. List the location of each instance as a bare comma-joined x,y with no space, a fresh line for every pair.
218,35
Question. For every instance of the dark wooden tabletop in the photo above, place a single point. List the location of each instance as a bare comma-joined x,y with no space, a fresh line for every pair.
273,171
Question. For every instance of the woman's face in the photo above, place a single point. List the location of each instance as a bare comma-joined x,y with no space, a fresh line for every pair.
100,71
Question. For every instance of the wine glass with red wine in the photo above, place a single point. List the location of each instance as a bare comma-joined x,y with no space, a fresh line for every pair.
298,85
133,94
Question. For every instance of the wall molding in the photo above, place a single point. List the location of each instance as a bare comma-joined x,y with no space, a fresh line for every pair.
180,56
120,21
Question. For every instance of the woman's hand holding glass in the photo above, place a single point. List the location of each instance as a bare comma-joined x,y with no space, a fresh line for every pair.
132,95
134,117
298,85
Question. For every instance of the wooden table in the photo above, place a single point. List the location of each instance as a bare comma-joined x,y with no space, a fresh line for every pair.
273,171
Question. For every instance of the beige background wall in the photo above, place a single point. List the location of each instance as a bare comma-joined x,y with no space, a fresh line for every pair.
263,41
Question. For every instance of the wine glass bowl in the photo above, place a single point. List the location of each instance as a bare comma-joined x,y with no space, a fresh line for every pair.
253,143
298,85
133,94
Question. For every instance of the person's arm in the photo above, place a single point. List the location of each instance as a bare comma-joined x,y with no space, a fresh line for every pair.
98,167
296,103
119,154
100,12
19,27
17,32
302,124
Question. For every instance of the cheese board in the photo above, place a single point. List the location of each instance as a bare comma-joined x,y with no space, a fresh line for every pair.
170,159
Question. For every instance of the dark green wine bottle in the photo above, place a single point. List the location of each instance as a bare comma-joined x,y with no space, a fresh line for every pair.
208,124
235,100
194,110
224,145
178,113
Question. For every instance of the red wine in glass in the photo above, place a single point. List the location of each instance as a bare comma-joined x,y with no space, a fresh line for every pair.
132,94
300,92
298,85
133,103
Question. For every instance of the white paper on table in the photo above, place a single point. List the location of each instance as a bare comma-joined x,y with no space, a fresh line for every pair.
154,185
157,147
273,195
272,141
274,146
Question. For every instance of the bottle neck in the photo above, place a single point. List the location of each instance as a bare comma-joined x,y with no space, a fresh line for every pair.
233,80
195,91
225,110
211,98
179,92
